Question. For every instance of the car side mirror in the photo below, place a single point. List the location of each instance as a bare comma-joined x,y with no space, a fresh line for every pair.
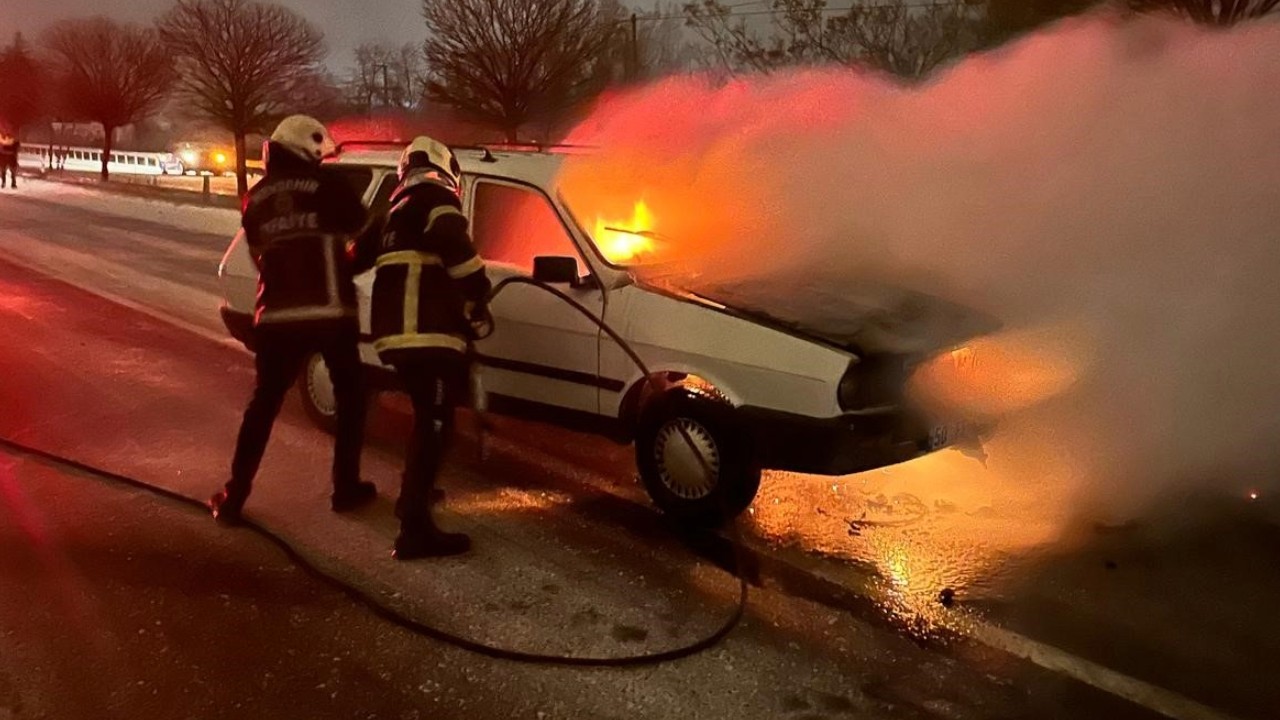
556,270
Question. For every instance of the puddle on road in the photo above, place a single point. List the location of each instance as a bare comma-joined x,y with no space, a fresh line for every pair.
942,524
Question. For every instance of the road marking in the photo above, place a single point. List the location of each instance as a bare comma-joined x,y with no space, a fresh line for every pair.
1152,697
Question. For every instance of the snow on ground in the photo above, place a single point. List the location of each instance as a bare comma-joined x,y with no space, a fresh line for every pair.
158,257
222,221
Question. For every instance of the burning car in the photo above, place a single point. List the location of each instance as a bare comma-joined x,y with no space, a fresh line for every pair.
748,377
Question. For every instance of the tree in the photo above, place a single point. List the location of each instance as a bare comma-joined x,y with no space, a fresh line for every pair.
1009,18
319,95
905,37
508,62
22,93
243,64
653,44
109,73
387,76
1209,12
901,37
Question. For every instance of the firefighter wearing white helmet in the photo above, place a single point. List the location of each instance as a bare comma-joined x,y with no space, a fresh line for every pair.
429,303
300,222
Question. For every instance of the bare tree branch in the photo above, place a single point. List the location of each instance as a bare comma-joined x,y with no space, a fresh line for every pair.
112,74
243,64
907,38
386,76
508,62
1209,12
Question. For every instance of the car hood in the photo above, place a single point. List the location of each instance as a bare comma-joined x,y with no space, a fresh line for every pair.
862,317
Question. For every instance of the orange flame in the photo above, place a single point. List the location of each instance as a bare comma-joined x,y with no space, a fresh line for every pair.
626,240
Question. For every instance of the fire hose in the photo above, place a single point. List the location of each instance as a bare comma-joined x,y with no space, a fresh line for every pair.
396,617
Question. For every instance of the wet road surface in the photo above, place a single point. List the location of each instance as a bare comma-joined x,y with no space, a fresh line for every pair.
1173,598
117,604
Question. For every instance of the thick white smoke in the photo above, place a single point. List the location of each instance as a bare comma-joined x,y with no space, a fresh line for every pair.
1109,188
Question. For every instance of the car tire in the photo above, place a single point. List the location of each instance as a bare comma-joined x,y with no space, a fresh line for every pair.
318,398
676,480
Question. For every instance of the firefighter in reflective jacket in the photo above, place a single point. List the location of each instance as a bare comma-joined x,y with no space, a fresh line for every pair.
429,301
300,223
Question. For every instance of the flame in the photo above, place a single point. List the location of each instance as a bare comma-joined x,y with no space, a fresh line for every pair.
625,241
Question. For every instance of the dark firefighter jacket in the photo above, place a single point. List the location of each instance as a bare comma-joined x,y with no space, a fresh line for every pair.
9,152
300,221
428,275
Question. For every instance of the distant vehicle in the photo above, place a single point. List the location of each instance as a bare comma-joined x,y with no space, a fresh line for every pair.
82,159
211,158
754,383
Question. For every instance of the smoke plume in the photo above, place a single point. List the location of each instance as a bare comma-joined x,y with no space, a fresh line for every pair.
1109,188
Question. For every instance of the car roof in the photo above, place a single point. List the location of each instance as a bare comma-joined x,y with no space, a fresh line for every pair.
532,167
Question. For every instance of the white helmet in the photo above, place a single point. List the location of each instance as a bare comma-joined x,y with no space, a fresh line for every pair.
429,153
304,136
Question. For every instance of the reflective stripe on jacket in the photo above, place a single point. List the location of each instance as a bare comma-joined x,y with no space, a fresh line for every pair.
427,273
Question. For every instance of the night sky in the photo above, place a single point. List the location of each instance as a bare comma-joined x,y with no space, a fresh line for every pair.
346,23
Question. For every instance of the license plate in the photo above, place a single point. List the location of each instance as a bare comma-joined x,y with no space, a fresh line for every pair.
943,435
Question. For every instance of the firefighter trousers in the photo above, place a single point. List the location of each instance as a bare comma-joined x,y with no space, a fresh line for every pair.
8,172
435,386
281,354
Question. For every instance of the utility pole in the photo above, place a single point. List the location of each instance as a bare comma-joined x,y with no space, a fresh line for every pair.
635,49
386,87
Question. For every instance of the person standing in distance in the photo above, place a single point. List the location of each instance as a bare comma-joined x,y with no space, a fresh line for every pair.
429,300
9,150
302,226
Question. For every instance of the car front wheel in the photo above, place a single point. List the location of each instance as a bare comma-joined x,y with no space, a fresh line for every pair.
318,397
694,460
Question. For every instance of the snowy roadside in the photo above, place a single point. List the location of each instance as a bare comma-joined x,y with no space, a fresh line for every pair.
195,218
156,257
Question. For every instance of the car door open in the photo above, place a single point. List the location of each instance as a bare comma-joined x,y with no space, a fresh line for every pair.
542,350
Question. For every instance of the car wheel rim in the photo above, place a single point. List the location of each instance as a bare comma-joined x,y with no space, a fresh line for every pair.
320,386
679,467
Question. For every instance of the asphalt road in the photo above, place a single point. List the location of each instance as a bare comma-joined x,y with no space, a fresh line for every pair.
1173,609
116,604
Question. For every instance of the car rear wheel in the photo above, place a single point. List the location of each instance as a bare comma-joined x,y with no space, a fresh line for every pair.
693,458
318,397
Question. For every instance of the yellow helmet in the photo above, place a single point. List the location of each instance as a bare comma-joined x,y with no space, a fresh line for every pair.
425,152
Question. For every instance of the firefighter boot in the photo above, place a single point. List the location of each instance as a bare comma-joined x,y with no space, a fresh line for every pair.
353,496
423,539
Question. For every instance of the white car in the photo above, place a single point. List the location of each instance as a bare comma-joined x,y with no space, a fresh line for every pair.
752,375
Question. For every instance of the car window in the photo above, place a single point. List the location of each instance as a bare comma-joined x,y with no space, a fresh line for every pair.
513,225
381,203
356,176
